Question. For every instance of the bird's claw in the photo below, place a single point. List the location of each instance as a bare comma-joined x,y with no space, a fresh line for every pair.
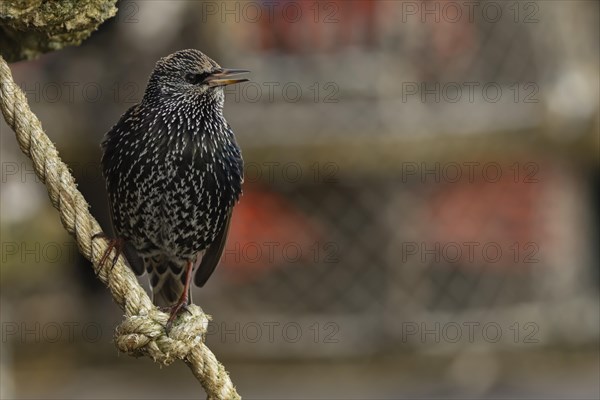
116,244
174,311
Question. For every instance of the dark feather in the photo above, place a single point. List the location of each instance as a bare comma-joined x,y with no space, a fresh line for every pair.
167,279
135,261
211,257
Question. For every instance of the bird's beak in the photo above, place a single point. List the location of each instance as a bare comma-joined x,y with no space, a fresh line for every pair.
222,77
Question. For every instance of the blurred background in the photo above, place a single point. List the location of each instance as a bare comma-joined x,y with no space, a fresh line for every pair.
420,210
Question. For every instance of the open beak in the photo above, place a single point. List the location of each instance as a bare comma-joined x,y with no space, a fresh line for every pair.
223,77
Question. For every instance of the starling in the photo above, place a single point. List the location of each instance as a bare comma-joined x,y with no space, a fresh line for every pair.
173,173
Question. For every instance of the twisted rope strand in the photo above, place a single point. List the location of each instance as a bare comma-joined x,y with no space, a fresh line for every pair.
142,332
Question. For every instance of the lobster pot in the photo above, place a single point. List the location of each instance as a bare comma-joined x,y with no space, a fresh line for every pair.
422,207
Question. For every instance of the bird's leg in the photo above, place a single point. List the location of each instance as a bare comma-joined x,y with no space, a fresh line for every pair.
113,244
182,302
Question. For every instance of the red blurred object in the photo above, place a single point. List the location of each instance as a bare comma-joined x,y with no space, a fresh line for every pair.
483,222
268,231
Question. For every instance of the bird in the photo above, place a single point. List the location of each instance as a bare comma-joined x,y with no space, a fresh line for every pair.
174,172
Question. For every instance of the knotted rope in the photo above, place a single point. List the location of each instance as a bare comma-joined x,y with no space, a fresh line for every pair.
143,331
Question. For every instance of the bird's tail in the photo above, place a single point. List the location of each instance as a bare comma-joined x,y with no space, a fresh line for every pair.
167,279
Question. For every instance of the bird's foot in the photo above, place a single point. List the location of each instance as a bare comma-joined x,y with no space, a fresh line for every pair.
174,311
167,309
115,244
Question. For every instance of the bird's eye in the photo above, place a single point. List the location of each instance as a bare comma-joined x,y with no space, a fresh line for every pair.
192,78
195,79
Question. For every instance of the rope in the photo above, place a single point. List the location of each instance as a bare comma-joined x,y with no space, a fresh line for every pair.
143,330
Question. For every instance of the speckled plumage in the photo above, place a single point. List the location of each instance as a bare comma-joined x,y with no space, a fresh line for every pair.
174,172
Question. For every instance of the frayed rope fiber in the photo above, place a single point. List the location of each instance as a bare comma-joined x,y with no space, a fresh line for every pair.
142,333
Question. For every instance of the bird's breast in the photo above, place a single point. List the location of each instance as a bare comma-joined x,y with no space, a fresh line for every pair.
172,181
198,183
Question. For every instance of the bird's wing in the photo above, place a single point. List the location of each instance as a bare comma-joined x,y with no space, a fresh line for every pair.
108,162
212,255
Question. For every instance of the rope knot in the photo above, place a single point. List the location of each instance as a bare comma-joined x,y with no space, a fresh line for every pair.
145,334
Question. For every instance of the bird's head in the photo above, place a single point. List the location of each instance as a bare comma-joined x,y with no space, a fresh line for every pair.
190,74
